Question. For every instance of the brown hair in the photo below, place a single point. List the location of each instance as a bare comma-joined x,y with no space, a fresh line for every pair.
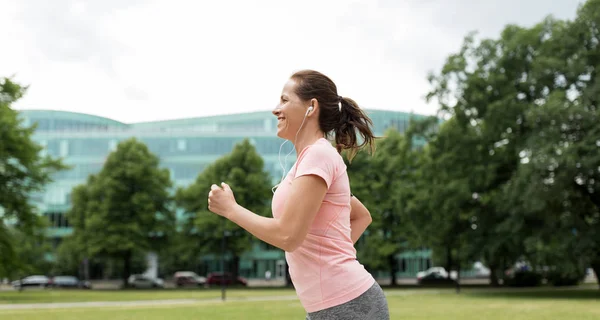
344,122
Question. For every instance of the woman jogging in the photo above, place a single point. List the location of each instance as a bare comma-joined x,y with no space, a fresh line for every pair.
316,220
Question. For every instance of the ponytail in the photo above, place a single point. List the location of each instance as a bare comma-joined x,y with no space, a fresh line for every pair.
353,120
338,115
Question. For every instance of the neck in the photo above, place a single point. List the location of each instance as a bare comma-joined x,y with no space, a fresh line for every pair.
307,138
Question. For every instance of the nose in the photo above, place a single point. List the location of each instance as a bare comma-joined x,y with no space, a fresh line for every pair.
276,111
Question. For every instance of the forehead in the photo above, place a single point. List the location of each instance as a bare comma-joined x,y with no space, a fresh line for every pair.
289,87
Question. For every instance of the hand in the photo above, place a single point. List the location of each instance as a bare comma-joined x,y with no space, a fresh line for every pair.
221,200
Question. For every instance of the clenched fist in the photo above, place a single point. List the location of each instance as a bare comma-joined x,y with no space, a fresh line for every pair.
221,200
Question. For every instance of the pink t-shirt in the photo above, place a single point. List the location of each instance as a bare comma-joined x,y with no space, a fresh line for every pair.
324,269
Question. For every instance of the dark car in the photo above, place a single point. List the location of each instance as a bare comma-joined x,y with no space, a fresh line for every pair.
36,281
69,282
218,278
188,278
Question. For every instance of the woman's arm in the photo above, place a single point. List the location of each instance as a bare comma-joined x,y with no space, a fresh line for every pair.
360,219
289,230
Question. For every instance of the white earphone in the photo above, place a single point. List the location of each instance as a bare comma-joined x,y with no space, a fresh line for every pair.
283,167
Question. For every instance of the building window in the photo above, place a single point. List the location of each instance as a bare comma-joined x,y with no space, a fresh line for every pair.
268,125
181,145
56,196
64,148
44,145
112,145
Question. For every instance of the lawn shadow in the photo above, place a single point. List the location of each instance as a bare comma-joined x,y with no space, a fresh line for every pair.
574,293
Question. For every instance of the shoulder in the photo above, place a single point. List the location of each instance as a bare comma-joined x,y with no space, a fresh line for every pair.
321,154
322,149
320,159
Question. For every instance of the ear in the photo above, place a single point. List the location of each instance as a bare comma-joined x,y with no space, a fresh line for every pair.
314,103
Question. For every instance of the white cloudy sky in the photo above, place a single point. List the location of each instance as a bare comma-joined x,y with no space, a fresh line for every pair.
138,60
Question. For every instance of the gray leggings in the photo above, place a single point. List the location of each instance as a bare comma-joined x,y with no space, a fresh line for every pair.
371,305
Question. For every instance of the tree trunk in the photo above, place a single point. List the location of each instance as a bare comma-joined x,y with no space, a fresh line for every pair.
494,275
235,267
596,268
457,278
448,259
126,267
392,264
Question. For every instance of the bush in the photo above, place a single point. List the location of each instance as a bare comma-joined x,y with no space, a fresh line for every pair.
524,279
558,278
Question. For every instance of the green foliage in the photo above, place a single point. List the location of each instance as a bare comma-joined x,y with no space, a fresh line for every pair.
385,184
243,169
22,172
124,210
524,109
31,251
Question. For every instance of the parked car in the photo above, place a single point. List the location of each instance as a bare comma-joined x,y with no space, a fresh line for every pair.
188,278
69,282
142,281
36,281
481,271
437,270
218,278
435,276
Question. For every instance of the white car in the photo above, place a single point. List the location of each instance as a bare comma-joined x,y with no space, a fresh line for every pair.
142,281
481,271
37,281
440,271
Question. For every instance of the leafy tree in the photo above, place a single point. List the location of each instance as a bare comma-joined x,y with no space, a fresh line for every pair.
23,171
531,99
243,170
31,250
384,183
68,258
125,209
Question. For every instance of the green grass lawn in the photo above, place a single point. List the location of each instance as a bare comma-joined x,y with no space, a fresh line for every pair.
477,304
45,296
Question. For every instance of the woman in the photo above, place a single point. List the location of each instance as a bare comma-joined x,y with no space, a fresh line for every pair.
316,220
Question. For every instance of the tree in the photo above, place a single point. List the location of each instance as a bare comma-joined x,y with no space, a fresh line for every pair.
126,208
243,170
382,183
23,171
441,210
531,97
30,249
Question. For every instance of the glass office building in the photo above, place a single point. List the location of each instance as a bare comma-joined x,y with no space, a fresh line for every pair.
185,147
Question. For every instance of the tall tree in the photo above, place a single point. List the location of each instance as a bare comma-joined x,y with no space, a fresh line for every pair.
384,184
532,98
243,169
23,171
125,208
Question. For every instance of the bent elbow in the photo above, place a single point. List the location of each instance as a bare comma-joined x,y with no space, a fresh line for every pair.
364,217
290,244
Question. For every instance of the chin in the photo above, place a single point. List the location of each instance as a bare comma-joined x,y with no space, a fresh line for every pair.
281,134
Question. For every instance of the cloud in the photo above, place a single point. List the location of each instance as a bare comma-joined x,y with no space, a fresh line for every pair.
149,60
134,93
72,31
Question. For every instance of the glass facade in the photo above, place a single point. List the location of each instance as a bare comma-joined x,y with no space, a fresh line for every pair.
184,146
